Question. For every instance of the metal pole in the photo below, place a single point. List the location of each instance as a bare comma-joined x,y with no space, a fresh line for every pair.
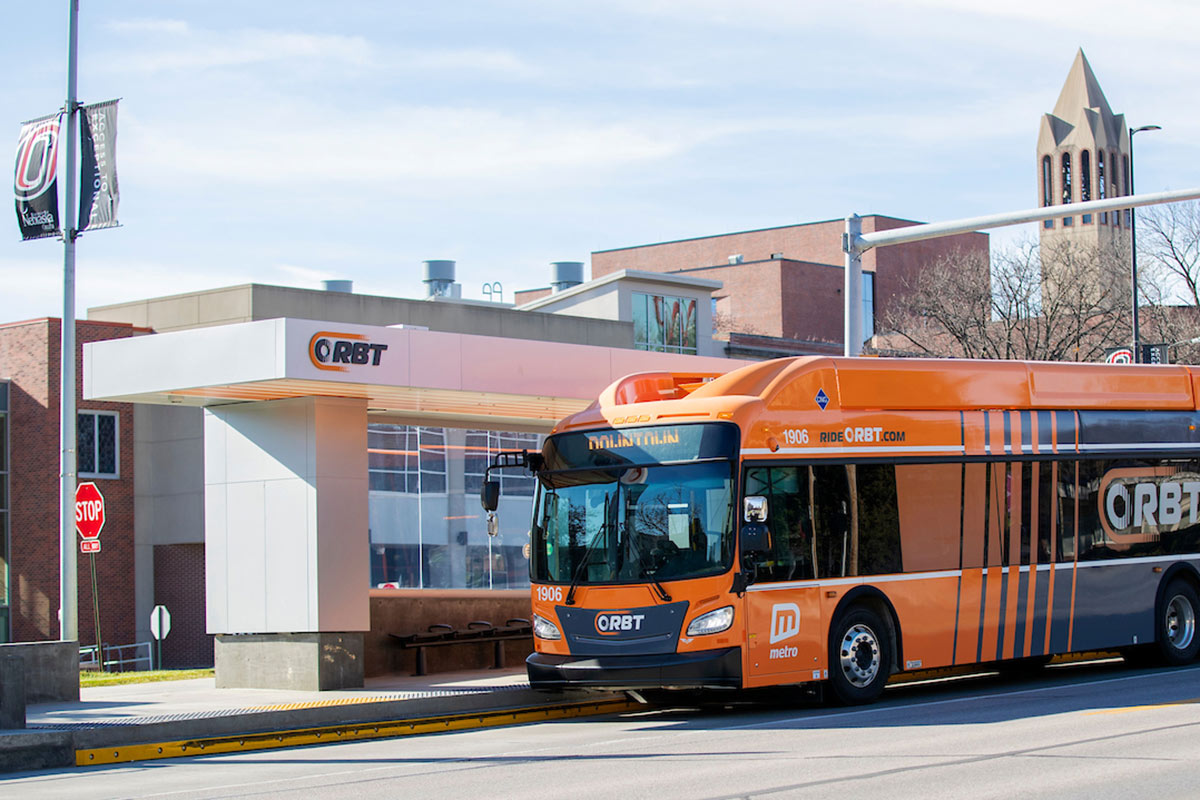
852,333
68,602
1137,348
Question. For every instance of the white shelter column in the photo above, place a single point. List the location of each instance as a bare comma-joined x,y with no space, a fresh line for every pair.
286,540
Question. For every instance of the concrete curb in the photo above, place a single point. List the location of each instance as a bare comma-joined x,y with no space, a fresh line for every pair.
50,745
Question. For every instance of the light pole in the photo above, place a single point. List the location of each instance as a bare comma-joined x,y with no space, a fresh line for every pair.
1137,348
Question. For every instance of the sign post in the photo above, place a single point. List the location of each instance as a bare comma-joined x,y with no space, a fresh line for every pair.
160,626
89,521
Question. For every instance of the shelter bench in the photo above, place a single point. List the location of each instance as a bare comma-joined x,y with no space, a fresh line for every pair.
440,635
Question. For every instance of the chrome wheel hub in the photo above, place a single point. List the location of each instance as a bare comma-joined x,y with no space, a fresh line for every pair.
859,656
1181,622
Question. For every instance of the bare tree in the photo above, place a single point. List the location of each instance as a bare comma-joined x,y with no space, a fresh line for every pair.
1065,303
1170,243
1169,279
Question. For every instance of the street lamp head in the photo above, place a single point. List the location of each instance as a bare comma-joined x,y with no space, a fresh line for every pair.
1145,128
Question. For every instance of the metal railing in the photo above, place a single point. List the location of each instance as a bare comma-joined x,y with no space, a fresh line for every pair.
115,655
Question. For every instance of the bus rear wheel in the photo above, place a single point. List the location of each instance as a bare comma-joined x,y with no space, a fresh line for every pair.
1177,639
860,656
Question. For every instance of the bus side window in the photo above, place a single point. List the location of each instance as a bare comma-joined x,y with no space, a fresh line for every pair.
787,493
878,533
1066,510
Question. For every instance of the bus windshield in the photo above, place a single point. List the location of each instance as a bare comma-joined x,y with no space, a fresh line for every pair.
607,516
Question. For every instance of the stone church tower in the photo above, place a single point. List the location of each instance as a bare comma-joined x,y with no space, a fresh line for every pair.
1083,154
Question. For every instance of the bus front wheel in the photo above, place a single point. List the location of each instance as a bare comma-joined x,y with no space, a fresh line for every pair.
1177,639
859,656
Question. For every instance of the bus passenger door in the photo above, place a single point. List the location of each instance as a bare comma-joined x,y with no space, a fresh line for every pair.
783,616
784,635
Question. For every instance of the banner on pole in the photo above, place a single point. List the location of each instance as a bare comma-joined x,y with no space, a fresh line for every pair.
35,179
98,193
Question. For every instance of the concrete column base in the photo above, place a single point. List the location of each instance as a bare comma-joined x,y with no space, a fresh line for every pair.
303,661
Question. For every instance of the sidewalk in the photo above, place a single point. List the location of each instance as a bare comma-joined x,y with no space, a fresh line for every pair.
168,718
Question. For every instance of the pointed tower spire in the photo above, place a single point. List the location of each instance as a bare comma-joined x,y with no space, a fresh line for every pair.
1081,90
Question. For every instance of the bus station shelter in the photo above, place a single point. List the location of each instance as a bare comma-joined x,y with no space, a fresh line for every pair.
286,407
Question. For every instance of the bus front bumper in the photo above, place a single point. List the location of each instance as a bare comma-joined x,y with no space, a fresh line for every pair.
707,669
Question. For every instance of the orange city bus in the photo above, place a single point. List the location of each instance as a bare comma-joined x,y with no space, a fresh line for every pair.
844,520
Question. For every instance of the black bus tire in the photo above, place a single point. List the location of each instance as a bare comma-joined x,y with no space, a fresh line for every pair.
860,656
1176,631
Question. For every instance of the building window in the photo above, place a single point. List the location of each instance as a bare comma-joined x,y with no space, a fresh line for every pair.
1115,184
405,458
1047,181
4,505
664,324
481,446
868,305
97,444
1066,185
1100,184
1047,188
1085,181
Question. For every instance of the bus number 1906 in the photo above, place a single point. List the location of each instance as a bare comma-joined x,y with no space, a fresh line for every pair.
550,594
795,435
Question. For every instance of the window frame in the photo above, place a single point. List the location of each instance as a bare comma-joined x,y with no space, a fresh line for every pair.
96,414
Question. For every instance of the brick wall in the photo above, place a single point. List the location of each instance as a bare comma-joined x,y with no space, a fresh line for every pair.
29,357
179,585
797,296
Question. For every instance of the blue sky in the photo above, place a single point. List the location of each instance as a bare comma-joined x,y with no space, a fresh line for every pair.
288,142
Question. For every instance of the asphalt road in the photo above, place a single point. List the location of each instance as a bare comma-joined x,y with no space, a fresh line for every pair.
1094,730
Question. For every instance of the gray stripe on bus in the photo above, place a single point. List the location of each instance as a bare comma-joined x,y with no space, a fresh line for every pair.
1041,599
1020,622
1060,618
1003,614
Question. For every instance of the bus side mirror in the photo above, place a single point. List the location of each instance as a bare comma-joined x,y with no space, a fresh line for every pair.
755,509
489,495
755,538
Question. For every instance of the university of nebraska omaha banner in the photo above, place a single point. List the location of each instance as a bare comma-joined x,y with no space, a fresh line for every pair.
98,193
35,183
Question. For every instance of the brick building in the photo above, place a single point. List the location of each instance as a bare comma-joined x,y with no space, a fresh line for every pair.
29,504
782,287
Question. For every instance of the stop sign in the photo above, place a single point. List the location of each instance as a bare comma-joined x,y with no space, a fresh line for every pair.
89,510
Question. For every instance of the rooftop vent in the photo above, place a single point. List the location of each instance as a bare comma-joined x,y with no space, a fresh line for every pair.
438,277
338,286
736,259
565,274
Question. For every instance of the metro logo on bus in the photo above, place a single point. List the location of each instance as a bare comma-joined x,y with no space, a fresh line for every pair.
1139,504
330,350
612,623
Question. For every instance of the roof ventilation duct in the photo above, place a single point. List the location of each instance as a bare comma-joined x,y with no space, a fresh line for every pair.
338,286
565,274
439,279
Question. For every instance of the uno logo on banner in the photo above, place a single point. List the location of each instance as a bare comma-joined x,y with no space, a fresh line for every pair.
1138,504
37,159
335,352
612,623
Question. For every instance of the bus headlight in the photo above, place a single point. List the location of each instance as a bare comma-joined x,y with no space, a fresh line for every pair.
712,622
545,629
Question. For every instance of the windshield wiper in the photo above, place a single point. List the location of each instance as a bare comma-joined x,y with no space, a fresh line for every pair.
579,570
658,587
587,553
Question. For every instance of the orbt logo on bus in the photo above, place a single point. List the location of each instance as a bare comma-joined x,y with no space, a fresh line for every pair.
613,623
333,351
1140,503
785,623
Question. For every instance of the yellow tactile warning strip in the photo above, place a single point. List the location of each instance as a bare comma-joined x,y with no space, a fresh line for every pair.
346,733
341,701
